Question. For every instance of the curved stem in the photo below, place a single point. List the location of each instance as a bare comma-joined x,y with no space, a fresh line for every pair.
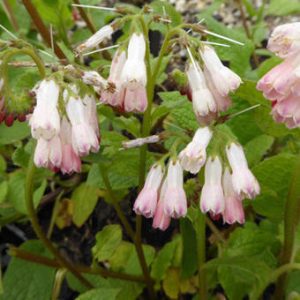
38,230
35,258
291,220
135,237
274,276
30,52
116,205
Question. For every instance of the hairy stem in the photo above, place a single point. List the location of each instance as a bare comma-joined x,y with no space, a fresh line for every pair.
43,29
35,258
291,220
38,230
85,17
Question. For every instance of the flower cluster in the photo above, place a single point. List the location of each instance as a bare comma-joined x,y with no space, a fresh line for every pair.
125,87
65,126
223,190
162,197
211,86
281,84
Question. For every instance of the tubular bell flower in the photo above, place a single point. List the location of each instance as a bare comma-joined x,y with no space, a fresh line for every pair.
233,211
84,137
193,156
103,33
134,76
243,181
48,153
70,159
113,96
223,78
204,104
45,120
175,203
146,202
161,220
285,40
212,197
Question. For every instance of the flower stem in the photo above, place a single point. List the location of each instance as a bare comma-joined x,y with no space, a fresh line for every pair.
200,230
43,29
134,236
291,220
35,258
115,204
38,230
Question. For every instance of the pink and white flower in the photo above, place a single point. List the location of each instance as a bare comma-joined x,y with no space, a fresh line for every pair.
175,203
146,202
134,76
212,197
161,220
48,153
243,181
70,159
98,37
233,211
224,80
204,104
285,40
113,94
84,136
193,156
45,120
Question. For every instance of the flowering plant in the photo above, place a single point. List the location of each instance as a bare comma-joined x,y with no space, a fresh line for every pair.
139,157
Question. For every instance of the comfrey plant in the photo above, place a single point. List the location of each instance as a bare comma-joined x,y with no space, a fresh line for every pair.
149,114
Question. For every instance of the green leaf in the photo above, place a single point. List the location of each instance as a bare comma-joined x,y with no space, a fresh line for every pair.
273,175
164,259
85,199
257,148
15,133
125,258
128,290
282,8
239,275
26,280
181,110
100,294
3,190
107,241
254,241
189,243
16,191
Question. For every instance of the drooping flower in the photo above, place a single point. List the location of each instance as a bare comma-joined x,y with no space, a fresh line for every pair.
175,203
45,120
212,197
233,211
204,105
222,102
84,137
48,153
146,202
134,76
193,156
70,159
285,40
243,181
98,37
113,95
161,220
224,80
